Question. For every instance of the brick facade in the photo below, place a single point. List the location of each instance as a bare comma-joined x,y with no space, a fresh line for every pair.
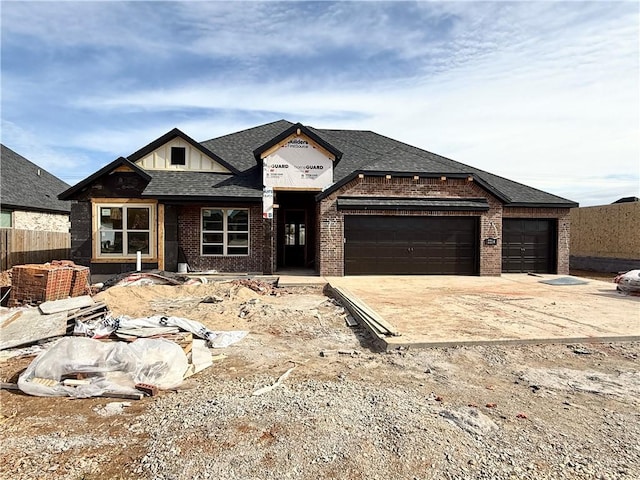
332,221
189,238
330,250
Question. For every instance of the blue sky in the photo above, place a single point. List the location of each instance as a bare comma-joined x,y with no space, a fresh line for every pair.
544,93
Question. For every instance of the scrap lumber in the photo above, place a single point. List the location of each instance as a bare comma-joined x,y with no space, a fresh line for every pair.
57,306
147,332
365,314
108,394
9,386
85,314
31,326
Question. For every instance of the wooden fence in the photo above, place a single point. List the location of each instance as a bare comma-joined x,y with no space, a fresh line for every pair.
18,247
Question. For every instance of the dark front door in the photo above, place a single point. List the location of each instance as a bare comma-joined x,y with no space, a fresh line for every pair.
395,245
528,245
295,238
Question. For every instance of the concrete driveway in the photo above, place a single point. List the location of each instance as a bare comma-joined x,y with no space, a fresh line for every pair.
513,308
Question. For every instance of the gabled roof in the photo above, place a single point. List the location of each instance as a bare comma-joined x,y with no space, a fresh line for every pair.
118,162
298,128
237,148
170,135
360,151
24,185
372,153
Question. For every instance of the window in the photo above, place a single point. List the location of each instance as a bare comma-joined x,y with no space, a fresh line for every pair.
6,219
178,156
125,230
225,231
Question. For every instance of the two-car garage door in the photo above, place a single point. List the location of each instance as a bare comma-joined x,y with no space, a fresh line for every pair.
406,245
398,245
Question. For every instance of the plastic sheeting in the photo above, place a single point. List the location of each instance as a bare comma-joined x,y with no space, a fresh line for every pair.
629,282
108,366
110,324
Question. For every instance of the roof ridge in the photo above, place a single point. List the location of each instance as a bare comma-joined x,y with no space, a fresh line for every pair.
248,130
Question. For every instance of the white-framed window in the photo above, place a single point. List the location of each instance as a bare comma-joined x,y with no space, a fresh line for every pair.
225,231
124,229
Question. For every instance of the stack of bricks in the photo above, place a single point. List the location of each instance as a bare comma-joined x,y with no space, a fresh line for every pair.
80,282
34,284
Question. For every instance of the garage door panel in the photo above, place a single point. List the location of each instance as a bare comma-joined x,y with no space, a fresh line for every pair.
411,245
528,245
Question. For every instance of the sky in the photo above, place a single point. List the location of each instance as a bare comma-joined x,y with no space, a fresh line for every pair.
543,93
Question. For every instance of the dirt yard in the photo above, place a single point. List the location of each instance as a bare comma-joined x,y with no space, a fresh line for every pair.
344,410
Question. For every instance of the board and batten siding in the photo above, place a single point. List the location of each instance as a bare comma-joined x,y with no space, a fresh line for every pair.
195,160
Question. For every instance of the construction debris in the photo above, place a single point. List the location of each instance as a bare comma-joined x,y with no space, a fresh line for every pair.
65,305
268,388
36,283
112,325
361,311
110,367
27,325
263,288
158,351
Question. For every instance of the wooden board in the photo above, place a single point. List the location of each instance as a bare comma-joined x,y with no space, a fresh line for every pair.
364,313
30,327
57,306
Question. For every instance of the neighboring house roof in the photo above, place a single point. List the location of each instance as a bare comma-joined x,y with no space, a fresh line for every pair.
26,186
360,151
627,200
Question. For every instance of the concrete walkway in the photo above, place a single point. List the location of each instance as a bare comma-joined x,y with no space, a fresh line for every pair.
513,308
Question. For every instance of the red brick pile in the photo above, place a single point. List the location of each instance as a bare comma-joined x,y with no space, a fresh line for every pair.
35,283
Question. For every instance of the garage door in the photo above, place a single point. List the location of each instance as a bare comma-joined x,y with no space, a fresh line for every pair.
391,245
528,245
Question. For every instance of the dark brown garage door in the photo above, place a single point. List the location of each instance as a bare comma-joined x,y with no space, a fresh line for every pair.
528,245
391,245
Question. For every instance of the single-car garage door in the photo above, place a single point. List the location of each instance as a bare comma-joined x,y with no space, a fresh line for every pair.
394,245
528,245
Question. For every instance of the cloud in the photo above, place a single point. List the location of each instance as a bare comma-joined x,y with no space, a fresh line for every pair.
544,93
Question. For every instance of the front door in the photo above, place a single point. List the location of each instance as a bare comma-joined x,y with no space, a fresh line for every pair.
295,238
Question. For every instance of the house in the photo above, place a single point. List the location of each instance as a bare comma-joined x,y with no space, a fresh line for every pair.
341,202
605,238
29,196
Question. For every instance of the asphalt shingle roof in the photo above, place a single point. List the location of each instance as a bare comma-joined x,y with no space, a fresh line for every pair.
205,185
25,185
237,148
362,151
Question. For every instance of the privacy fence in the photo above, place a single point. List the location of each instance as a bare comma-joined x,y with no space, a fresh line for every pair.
28,246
